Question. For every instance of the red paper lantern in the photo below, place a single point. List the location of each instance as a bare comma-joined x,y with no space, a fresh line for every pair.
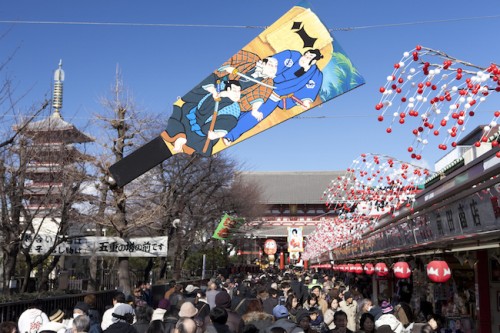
401,270
369,269
352,268
381,269
438,271
270,247
358,268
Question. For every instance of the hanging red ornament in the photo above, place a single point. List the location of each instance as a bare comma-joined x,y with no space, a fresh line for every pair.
381,269
270,247
369,269
438,271
401,270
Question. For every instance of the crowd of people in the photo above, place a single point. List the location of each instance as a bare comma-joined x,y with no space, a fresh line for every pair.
290,302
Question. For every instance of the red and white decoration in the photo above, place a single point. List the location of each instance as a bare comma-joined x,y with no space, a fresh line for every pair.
369,269
438,271
401,270
374,185
358,268
436,95
270,247
381,269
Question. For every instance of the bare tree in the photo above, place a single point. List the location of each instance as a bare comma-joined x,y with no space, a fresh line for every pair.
123,127
190,194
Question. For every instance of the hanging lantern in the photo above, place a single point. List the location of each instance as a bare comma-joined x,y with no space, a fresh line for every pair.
352,269
401,270
270,247
381,269
438,271
369,269
358,268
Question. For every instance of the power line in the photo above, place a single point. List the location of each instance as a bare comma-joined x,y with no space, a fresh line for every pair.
219,26
389,25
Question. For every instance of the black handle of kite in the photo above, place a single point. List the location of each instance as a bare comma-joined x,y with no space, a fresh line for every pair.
140,161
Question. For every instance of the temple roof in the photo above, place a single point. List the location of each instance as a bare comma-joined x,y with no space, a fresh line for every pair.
295,187
55,123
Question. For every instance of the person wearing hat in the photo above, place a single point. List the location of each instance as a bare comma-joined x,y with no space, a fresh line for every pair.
32,319
122,317
83,309
234,321
281,316
56,316
190,293
53,327
350,308
388,317
188,310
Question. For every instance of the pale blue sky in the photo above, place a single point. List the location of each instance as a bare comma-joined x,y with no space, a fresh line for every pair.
160,63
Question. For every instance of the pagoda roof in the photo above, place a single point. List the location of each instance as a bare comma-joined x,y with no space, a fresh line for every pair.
55,123
294,187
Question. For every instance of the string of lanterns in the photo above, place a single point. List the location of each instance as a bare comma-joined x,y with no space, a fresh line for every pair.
438,271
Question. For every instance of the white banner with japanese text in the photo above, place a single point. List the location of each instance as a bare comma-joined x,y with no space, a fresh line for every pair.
99,246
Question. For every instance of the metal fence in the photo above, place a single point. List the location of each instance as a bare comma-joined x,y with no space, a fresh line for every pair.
12,310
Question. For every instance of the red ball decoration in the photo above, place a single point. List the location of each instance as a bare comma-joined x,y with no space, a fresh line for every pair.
358,268
270,247
381,269
438,271
401,270
369,269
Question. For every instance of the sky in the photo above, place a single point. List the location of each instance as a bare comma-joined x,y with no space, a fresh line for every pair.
166,48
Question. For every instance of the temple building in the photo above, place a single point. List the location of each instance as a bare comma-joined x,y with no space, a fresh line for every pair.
54,165
293,200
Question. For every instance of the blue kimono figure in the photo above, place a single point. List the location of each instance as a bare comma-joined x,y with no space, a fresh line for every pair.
298,81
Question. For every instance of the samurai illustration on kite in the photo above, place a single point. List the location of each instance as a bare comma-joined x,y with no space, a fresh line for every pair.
291,67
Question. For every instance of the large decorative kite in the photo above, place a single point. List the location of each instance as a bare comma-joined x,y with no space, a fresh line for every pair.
291,67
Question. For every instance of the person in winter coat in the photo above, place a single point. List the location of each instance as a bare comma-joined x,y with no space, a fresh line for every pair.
234,321
330,312
218,321
255,315
350,307
122,318
388,318
282,320
340,320
143,316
